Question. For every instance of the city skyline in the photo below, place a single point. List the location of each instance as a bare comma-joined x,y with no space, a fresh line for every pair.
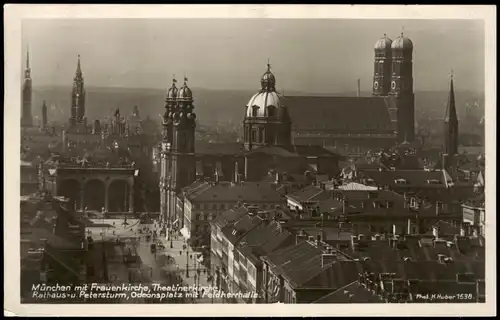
118,58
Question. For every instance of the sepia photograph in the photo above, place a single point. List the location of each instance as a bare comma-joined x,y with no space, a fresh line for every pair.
250,160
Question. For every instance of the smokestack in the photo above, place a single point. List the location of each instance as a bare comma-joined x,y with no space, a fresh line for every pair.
359,88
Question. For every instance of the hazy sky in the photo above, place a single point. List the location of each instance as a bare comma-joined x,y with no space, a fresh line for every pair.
308,55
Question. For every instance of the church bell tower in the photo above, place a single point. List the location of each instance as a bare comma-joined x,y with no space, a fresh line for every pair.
178,165
78,97
402,87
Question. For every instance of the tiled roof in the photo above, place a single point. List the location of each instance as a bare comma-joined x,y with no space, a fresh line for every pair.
351,293
220,148
297,263
415,248
354,186
294,151
275,151
235,231
230,216
310,193
264,238
337,275
414,178
224,191
36,234
340,114
310,151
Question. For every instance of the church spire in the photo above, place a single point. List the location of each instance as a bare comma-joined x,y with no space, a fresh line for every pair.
451,111
28,58
451,122
78,74
27,71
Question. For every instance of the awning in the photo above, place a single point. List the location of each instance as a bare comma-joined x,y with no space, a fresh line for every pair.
185,233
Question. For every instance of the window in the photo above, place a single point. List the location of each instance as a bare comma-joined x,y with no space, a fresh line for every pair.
254,135
271,111
255,111
433,181
401,181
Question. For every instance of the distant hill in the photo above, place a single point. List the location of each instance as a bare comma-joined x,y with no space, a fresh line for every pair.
212,106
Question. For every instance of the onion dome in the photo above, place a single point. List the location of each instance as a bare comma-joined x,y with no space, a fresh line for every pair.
402,43
184,92
383,44
172,91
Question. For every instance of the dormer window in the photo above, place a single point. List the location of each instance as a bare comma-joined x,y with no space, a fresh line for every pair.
433,181
401,181
271,111
255,111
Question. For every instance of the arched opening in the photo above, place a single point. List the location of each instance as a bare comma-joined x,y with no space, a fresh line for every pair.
94,195
70,188
118,196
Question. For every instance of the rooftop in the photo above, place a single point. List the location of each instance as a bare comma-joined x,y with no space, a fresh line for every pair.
340,114
351,293
225,191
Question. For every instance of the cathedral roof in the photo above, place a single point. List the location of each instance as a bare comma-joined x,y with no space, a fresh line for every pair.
348,115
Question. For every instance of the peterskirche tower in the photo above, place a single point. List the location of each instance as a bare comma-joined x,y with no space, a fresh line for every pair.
178,164
78,98
27,96
402,87
266,122
451,124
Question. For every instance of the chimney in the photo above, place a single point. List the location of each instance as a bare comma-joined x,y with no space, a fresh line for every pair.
345,206
441,258
216,176
64,140
435,232
361,237
277,179
439,207
301,236
236,172
358,92
246,169
394,230
327,259
409,231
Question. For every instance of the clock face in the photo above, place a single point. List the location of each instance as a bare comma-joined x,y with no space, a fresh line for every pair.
393,85
375,85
